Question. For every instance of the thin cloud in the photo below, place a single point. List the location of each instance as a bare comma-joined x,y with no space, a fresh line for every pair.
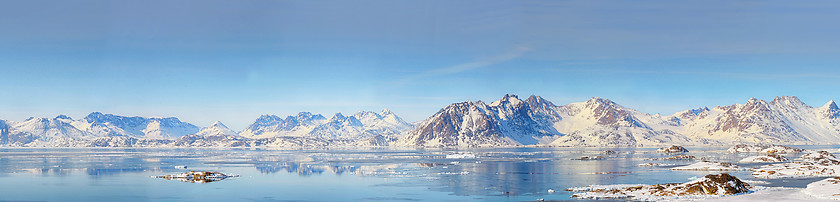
736,75
477,64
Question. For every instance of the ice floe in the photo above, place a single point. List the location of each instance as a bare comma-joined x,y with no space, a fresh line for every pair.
654,164
461,156
710,166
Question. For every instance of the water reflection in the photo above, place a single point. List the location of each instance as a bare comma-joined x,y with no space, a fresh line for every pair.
526,172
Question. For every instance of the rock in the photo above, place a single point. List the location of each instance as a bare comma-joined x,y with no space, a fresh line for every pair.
680,157
609,152
764,148
584,158
771,158
197,176
672,149
709,185
821,157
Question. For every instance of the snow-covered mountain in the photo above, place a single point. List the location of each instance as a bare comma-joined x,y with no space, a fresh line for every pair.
506,122
215,135
63,131
785,120
601,122
141,127
359,126
271,125
45,132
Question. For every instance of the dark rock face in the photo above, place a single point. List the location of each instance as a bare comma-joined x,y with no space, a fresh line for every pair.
458,123
508,121
609,113
758,114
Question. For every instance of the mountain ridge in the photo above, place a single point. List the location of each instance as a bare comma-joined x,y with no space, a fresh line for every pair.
507,122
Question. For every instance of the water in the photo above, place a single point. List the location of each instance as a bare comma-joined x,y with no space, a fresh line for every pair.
511,174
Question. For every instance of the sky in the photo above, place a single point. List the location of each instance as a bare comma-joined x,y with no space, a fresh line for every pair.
232,61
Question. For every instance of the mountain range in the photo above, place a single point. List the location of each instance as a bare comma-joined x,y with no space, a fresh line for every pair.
509,121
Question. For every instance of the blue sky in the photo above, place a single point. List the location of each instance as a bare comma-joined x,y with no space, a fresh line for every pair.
232,61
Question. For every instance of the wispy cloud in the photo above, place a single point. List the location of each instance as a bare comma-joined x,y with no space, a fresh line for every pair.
473,65
736,75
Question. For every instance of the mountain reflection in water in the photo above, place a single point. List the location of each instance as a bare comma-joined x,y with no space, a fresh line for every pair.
512,174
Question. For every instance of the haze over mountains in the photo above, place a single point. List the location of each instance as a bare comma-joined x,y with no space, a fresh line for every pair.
510,121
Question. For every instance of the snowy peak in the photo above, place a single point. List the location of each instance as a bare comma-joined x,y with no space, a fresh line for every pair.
692,113
830,110
508,99
608,113
218,124
63,117
538,102
342,120
216,129
304,118
788,100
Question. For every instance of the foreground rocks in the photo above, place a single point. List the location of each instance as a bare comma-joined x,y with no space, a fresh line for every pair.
764,148
814,164
709,185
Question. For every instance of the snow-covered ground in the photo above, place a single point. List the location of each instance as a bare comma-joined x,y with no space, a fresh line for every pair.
825,189
769,194
772,158
763,148
814,164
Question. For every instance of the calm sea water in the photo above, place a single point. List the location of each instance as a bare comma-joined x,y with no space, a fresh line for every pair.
512,174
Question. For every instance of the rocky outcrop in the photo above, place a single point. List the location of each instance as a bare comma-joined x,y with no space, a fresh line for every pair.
763,148
672,149
709,185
